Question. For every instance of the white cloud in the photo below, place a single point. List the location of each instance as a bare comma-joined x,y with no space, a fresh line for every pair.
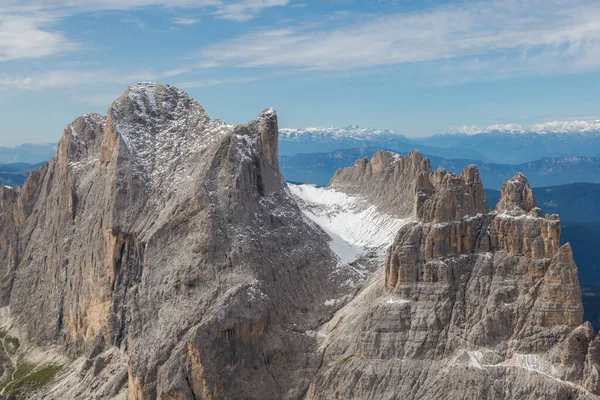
184,21
213,82
247,9
26,37
28,28
526,32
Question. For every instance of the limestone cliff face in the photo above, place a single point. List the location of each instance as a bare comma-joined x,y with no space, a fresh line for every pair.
469,305
387,180
406,186
172,237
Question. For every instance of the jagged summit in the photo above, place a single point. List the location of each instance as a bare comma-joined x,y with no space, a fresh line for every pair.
167,246
516,195
471,304
408,187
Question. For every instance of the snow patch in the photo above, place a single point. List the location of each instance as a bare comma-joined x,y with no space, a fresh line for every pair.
532,363
355,228
255,293
475,358
333,302
396,300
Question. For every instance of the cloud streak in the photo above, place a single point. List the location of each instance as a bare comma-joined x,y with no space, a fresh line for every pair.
184,21
214,82
506,34
27,28
100,80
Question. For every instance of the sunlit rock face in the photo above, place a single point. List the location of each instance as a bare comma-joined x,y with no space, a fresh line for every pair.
470,304
172,237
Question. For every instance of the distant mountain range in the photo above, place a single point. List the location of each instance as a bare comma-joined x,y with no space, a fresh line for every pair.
514,144
16,173
312,140
505,144
499,144
503,147
27,153
318,168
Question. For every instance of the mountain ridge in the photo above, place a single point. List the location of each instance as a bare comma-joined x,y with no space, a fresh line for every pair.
318,168
165,255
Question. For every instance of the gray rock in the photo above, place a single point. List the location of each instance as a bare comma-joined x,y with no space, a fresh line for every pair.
174,238
406,186
484,306
516,195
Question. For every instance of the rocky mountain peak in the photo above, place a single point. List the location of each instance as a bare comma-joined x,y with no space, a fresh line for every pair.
164,251
516,195
466,296
166,247
447,196
406,186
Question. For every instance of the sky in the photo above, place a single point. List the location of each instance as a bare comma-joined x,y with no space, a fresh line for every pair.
418,67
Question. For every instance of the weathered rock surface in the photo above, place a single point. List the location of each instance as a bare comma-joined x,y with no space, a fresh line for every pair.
387,180
517,195
469,305
164,251
406,186
172,237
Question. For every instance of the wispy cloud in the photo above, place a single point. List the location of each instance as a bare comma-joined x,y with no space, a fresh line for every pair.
63,79
213,82
48,80
247,9
499,33
101,87
184,21
28,28
29,37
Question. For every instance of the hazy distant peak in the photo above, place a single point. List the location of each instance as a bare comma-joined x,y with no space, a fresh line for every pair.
552,127
350,131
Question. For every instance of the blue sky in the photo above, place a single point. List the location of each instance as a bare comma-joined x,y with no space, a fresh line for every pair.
417,67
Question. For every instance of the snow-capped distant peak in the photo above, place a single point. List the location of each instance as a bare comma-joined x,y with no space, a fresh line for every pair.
350,131
552,127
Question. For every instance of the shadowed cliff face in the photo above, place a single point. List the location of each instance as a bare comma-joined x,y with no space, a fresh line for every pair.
469,305
172,237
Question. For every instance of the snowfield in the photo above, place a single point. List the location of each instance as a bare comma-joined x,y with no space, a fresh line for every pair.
355,227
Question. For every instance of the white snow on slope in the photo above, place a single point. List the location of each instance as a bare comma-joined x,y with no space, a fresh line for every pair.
355,227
